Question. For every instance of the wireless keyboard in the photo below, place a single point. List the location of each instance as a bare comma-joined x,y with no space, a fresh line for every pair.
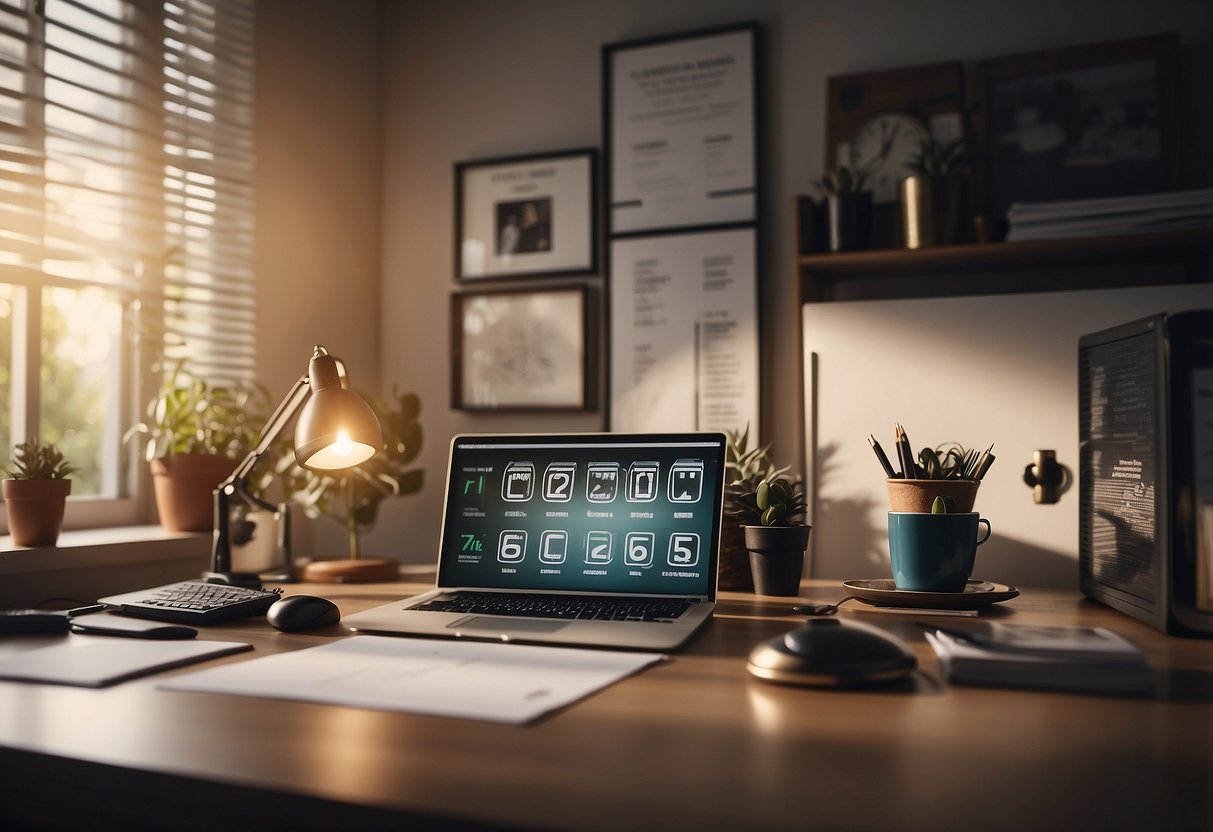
195,602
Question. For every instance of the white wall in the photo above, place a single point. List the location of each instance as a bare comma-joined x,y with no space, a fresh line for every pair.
468,79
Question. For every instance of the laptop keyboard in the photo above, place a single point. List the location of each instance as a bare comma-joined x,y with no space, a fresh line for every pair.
661,610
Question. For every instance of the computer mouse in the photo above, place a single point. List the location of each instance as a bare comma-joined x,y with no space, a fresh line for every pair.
302,612
828,652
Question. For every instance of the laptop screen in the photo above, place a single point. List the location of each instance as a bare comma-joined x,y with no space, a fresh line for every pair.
636,514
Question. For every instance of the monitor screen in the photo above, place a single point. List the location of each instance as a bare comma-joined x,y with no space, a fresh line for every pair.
585,513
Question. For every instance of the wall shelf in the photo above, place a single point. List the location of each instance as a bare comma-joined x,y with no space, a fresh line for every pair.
1000,268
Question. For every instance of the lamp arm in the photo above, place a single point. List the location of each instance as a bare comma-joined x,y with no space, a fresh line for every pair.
287,409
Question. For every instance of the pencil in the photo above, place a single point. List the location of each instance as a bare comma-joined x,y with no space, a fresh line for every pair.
985,465
906,454
880,455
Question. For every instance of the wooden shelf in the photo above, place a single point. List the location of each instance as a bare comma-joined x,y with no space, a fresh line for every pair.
1172,257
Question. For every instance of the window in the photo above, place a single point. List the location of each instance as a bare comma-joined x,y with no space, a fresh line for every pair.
125,220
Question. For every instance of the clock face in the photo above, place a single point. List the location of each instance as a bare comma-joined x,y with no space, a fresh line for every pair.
884,145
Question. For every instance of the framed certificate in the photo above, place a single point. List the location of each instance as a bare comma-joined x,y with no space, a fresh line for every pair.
681,124
527,215
684,332
520,349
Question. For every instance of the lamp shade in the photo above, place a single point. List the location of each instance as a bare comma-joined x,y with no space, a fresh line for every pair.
336,428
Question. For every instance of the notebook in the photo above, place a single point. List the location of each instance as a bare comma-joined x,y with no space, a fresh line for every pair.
607,540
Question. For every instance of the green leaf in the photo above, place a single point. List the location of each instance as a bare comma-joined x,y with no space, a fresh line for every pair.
939,506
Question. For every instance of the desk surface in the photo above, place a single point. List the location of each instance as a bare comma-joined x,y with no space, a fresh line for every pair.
692,744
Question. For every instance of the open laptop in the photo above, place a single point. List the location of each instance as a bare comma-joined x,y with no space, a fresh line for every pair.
607,540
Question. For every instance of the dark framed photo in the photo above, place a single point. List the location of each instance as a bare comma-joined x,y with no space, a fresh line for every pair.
521,349
527,215
680,123
1080,123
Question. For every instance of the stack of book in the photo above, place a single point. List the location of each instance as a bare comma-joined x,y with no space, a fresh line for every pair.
1142,214
1089,659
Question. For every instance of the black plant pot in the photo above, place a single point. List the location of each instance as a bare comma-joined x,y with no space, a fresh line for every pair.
777,557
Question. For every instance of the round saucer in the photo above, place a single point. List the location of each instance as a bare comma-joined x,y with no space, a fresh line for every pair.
882,592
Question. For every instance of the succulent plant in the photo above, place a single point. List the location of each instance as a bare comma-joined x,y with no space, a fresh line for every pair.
33,460
757,493
949,461
842,180
935,158
944,505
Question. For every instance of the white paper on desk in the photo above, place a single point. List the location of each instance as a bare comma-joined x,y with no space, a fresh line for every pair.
511,683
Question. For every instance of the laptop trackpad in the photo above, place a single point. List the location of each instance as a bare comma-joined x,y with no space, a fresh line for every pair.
498,624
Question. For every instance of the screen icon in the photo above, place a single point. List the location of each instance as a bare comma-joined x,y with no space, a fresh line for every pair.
686,481
511,546
558,482
602,482
553,546
642,481
598,547
518,482
684,549
638,549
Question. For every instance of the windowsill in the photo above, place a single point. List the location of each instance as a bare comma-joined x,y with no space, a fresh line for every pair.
89,563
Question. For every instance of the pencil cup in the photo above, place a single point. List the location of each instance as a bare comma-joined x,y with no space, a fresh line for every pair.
918,495
934,552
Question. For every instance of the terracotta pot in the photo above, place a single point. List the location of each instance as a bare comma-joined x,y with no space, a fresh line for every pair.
734,568
918,495
184,485
35,510
777,557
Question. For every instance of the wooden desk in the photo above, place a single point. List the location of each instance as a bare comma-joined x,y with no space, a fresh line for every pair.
694,744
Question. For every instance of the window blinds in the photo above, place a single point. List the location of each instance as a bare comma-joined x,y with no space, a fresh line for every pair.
126,161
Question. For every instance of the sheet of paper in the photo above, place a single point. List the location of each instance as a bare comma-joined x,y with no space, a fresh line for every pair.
96,661
511,683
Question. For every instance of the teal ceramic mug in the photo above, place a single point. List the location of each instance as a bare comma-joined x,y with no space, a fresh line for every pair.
934,552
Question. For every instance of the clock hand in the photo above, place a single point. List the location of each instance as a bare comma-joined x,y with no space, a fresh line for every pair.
887,145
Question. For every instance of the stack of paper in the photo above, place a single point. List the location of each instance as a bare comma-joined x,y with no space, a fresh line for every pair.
1062,658
1143,214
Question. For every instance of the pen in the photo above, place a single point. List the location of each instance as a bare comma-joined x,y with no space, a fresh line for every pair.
72,613
983,464
908,469
880,455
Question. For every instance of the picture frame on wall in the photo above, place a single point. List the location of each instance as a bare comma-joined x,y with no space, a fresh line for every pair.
521,349
1079,123
681,116
684,331
527,215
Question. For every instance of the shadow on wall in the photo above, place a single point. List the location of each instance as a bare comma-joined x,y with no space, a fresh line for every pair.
1008,560
847,545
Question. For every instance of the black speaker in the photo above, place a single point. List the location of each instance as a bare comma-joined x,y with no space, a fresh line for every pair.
1145,406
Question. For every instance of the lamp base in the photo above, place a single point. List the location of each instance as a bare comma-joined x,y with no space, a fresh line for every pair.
361,571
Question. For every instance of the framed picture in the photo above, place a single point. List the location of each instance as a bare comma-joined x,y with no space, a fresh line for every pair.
1080,123
527,215
681,130
520,349
684,331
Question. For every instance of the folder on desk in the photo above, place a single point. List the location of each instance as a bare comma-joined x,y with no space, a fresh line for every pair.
94,662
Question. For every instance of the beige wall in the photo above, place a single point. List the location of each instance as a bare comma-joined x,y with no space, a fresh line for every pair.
468,79
319,168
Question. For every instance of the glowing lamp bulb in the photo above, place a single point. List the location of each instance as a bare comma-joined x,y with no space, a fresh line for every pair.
344,446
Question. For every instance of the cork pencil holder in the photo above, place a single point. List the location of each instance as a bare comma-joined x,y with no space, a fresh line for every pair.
918,495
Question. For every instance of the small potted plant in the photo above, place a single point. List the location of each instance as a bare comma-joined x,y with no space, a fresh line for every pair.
196,432
745,468
35,493
932,196
848,207
776,538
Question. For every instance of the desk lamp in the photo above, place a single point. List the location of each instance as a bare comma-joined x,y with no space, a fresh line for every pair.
336,430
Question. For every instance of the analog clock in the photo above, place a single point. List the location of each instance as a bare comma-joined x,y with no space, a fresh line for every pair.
884,145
